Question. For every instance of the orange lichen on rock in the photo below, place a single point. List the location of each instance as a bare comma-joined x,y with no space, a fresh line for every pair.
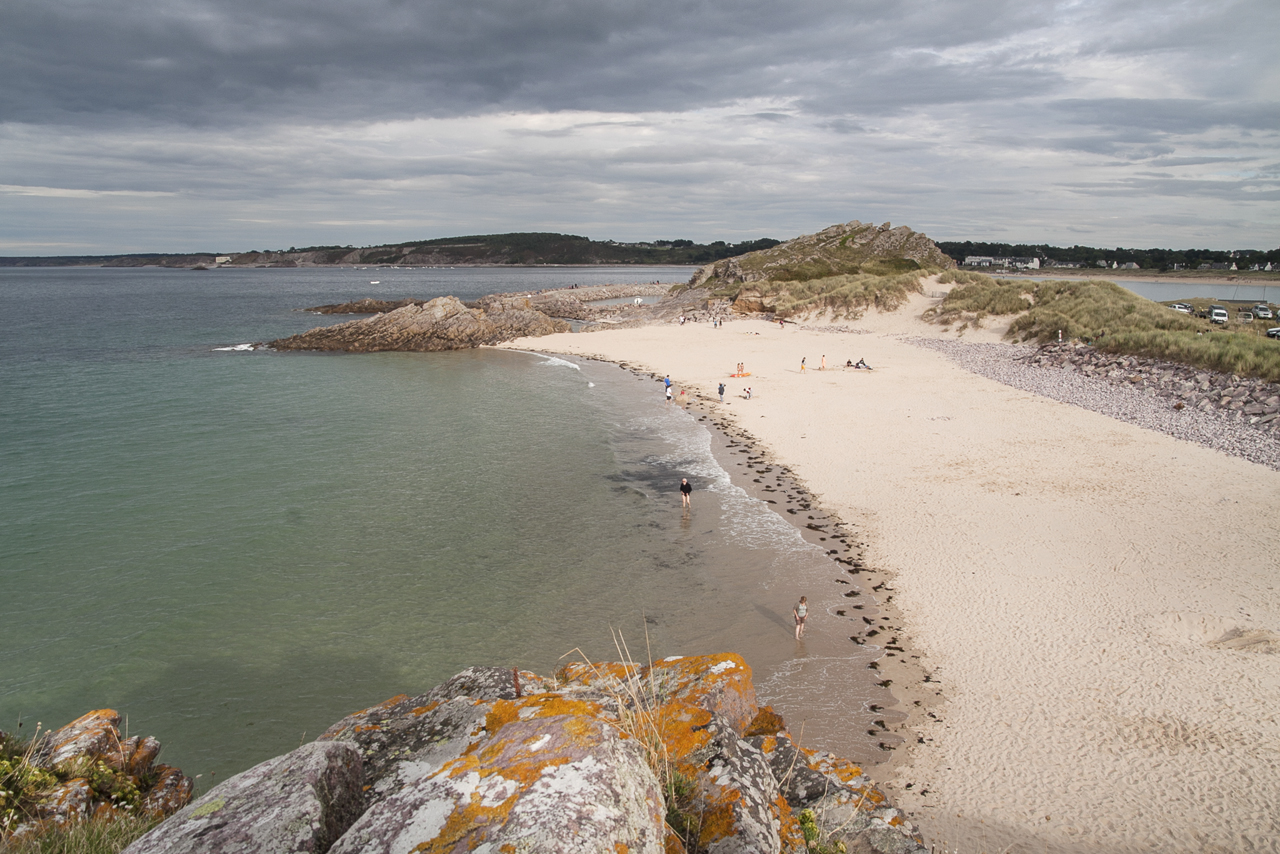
718,683
788,826
683,730
537,706
766,722
602,675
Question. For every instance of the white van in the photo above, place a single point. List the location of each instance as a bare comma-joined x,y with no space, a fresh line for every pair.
1217,314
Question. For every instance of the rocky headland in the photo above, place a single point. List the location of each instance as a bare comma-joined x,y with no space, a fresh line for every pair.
447,323
671,757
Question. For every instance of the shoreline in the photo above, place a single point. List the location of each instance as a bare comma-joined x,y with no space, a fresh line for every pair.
1101,702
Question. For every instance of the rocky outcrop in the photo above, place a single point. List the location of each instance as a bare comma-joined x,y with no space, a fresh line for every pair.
86,770
364,306
841,249
300,802
670,757
443,323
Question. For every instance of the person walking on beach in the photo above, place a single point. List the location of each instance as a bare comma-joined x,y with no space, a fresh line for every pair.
823,366
721,392
802,364
667,381
668,394
686,489
800,611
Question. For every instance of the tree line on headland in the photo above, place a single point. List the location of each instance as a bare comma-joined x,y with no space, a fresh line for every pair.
549,248
1089,256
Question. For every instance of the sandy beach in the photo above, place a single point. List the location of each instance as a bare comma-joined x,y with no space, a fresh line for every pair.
1096,606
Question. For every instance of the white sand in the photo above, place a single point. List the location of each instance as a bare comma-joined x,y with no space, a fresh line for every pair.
1064,576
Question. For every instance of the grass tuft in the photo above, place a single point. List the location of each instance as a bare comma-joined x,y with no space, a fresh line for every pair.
98,836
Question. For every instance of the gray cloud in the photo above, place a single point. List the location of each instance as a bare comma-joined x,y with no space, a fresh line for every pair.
172,124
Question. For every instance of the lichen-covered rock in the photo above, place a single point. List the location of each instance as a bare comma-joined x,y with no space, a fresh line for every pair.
94,735
737,799
491,683
299,802
407,739
721,684
443,323
562,783
137,755
846,818
766,722
171,792
799,783
68,802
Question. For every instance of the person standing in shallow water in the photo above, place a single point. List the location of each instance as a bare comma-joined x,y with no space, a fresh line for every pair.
800,611
686,489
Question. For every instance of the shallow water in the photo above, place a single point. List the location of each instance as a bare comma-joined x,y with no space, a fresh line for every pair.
235,549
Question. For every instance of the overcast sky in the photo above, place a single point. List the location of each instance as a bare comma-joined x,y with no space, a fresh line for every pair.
230,125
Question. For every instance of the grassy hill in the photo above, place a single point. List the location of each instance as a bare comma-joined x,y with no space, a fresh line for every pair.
843,269
1112,319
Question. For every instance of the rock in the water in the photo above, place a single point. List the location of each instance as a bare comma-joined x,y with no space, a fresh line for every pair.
299,802
561,783
443,323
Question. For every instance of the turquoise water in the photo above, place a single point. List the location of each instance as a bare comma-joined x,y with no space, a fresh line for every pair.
235,549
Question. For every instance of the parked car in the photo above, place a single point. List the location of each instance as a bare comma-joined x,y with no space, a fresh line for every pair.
1273,332
1217,314
1244,317
1182,307
1262,311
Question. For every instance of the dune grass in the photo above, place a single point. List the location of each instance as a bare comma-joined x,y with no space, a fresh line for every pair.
846,295
1112,319
97,836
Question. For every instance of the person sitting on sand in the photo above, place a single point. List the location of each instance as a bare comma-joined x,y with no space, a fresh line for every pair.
862,364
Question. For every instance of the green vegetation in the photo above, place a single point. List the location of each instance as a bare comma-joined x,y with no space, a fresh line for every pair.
1112,319
24,786
98,836
813,840
846,296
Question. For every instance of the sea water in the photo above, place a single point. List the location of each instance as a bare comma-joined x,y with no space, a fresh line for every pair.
237,548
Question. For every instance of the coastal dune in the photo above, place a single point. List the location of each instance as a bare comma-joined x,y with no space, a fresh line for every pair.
1095,606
